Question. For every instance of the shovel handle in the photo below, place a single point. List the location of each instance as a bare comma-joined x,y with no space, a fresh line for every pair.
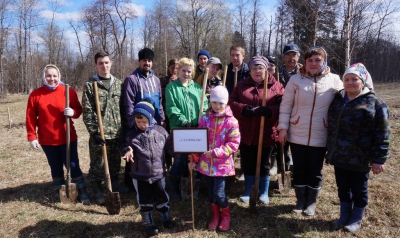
235,78
203,94
225,74
104,148
67,141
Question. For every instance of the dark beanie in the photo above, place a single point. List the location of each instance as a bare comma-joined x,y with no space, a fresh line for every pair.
146,53
146,108
203,52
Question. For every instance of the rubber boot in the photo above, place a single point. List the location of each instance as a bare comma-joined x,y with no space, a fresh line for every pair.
166,219
116,187
176,190
311,201
98,192
264,187
355,219
301,199
185,187
83,197
57,182
345,213
248,182
225,219
216,217
148,224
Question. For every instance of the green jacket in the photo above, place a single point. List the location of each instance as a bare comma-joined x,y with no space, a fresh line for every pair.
110,103
183,103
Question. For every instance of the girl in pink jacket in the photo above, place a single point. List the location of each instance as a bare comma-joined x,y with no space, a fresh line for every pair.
217,163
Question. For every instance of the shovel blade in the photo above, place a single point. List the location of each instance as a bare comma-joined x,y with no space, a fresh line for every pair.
253,197
68,193
285,182
112,202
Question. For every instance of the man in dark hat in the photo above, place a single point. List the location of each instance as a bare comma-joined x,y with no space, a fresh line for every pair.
291,66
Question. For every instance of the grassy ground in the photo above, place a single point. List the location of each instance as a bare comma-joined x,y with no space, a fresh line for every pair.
27,209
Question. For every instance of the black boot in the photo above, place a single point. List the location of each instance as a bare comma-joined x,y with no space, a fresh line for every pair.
116,187
98,192
166,219
311,202
301,199
176,191
148,224
83,196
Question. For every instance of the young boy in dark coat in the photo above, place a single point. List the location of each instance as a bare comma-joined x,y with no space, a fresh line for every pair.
145,146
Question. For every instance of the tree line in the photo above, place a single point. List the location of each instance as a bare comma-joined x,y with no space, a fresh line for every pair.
350,30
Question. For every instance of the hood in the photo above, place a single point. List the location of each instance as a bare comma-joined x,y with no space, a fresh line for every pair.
304,72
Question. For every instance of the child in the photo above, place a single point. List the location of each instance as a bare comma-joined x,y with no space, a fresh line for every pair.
217,163
145,146
214,66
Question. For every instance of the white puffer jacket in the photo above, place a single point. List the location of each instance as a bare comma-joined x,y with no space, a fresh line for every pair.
304,108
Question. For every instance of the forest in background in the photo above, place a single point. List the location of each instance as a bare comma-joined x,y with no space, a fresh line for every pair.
176,28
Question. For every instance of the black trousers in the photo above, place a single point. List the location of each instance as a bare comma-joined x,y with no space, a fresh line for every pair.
150,195
352,186
248,155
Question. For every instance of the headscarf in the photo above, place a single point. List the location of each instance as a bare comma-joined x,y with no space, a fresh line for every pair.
324,66
362,72
258,60
44,82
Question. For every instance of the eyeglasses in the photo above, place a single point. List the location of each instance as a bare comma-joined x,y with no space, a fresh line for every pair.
257,69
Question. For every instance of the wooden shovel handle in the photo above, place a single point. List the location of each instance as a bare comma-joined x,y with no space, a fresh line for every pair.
203,94
225,74
235,78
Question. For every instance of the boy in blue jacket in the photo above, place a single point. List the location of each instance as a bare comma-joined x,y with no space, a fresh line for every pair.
145,147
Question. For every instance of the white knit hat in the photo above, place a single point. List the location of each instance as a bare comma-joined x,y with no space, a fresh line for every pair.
219,94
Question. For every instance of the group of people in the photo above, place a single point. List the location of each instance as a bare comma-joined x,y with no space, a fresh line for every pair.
309,110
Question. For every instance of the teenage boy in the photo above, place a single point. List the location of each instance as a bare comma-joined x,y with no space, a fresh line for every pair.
236,55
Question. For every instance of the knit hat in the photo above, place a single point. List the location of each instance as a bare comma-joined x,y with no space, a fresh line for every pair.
215,60
219,94
290,48
146,53
362,72
44,82
258,60
203,52
146,108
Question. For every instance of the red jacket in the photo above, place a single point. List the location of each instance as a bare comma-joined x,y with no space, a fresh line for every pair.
45,111
248,92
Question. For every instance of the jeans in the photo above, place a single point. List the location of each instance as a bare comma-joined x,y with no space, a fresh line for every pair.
352,186
57,156
216,191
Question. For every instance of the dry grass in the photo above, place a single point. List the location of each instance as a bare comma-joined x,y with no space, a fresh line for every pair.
26,208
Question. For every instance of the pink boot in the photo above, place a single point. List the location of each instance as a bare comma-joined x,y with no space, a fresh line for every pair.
216,217
225,219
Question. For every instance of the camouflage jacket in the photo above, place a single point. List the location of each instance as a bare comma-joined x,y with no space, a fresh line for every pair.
358,131
110,104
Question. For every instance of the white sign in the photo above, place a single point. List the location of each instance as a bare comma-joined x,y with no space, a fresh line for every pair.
189,140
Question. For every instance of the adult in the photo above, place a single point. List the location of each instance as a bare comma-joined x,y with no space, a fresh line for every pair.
358,142
291,65
236,55
246,104
202,58
303,123
183,99
110,100
46,112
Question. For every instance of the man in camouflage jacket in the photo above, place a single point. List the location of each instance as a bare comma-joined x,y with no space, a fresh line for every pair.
110,100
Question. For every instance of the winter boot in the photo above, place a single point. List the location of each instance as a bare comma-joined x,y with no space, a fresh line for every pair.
355,219
345,213
301,199
98,192
216,217
311,201
225,219
264,187
83,197
116,187
185,187
148,224
166,219
248,182
176,191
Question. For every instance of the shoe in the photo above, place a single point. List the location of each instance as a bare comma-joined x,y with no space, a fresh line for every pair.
345,213
176,190
248,182
301,199
311,201
148,225
355,219
98,192
83,196
264,187
166,219
56,196
116,187
215,209
225,219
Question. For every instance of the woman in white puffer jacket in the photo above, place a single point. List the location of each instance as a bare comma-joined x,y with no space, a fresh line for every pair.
303,123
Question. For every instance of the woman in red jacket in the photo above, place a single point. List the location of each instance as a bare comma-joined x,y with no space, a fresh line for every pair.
46,127
245,102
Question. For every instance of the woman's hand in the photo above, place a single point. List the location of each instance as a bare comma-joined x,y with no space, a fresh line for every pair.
377,168
68,111
282,136
128,155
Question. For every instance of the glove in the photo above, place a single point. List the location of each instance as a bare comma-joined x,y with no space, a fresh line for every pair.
248,111
97,139
34,144
68,111
263,111
187,124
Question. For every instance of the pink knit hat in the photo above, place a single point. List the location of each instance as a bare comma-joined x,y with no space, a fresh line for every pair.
219,94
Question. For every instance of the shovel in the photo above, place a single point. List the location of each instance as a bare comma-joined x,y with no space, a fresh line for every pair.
69,192
254,188
112,200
